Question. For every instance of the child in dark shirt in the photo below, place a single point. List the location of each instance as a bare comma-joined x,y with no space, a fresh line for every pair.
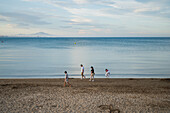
92,74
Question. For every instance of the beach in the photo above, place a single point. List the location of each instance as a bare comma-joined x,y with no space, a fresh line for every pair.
104,95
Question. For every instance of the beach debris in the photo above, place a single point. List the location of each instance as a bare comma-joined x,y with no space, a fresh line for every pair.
110,107
75,43
14,87
4,85
104,107
54,105
66,107
39,106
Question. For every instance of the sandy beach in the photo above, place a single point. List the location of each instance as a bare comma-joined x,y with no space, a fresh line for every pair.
101,96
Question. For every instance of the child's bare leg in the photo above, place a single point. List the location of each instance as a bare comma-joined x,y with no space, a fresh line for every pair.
81,75
64,83
90,78
69,84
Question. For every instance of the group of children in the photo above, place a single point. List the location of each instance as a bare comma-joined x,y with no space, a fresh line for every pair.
83,76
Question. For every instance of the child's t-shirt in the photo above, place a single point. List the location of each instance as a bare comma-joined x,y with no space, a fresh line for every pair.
108,72
66,76
82,69
92,70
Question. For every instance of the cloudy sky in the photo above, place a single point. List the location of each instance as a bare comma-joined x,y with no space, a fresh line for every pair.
71,18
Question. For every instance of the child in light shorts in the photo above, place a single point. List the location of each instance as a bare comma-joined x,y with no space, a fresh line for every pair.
66,79
92,74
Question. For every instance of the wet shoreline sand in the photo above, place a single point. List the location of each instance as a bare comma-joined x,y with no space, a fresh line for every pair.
102,96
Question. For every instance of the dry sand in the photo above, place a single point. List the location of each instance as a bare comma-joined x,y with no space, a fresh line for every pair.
101,96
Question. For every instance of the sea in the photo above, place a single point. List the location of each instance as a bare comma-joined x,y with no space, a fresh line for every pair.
49,57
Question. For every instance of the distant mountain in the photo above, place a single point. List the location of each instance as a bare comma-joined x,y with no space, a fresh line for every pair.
38,34
41,34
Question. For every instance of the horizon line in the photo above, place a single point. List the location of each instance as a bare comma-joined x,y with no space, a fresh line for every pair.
85,37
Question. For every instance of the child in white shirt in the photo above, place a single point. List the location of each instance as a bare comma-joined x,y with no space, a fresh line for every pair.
82,72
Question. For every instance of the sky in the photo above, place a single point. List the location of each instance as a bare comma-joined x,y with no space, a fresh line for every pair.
85,18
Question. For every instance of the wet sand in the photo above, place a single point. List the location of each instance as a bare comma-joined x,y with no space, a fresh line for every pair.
101,96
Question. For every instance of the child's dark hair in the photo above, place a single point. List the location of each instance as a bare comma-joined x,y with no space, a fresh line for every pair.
65,71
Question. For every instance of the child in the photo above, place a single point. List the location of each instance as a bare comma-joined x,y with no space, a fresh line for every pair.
92,74
82,72
66,79
107,73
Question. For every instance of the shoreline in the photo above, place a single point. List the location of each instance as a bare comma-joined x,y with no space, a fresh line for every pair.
87,78
100,96
137,76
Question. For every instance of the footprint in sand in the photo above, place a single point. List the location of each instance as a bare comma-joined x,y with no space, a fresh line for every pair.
110,107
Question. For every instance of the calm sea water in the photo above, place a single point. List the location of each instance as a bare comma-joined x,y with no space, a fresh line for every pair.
50,57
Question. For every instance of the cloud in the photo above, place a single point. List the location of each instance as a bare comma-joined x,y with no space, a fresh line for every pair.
24,18
88,24
110,8
11,25
66,27
89,16
79,19
23,24
80,1
94,2
1,19
146,9
94,31
57,3
118,7
82,31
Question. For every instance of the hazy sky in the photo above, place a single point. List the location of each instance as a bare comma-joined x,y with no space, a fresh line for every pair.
85,17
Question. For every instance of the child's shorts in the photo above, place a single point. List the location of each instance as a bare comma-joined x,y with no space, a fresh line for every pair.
66,80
